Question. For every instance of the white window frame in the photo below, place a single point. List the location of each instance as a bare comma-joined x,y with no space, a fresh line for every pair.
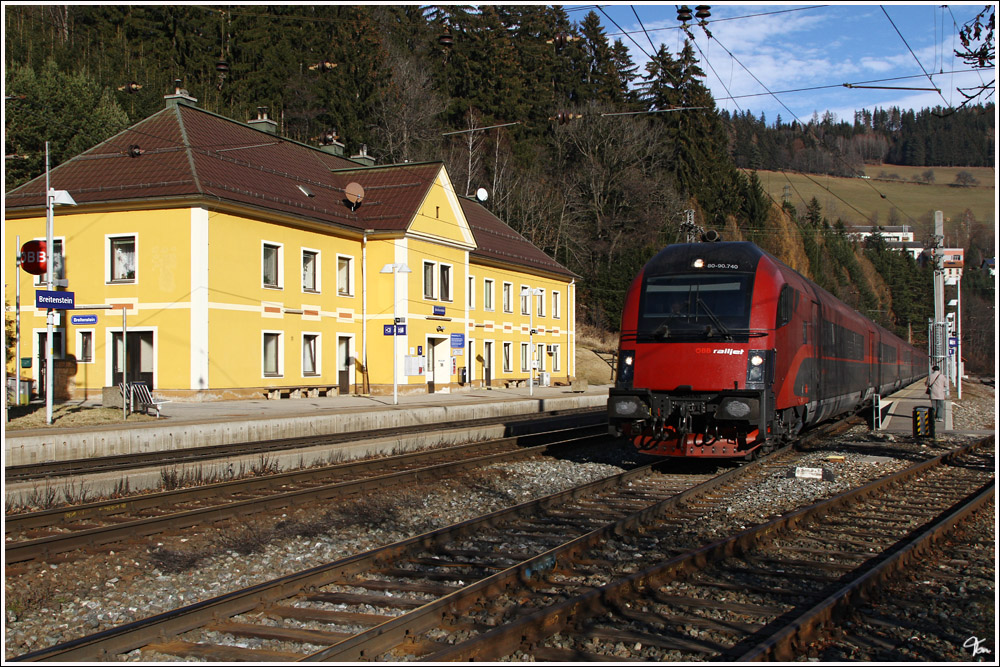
507,351
488,288
508,297
109,259
540,352
525,358
525,300
279,260
556,312
556,366
280,352
446,294
470,297
350,276
317,273
318,337
80,333
430,285
540,303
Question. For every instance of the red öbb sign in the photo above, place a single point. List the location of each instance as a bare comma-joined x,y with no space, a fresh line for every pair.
34,257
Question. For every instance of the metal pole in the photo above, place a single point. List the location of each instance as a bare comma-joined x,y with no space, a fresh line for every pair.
126,394
958,348
395,337
17,325
49,313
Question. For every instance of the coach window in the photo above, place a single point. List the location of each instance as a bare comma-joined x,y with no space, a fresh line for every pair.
785,306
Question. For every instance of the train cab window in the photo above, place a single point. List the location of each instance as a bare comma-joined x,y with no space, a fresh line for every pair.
786,306
695,306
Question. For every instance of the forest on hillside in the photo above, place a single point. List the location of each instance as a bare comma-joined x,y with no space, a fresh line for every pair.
534,103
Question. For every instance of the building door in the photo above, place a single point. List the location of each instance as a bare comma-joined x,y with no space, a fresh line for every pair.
438,360
58,352
487,362
344,365
137,358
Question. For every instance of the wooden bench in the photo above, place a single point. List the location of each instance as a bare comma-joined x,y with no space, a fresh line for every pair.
143,398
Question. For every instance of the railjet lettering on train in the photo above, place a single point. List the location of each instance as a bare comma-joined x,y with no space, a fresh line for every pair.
685,389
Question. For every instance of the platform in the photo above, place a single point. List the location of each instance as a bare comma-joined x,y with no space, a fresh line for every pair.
200,424
898,410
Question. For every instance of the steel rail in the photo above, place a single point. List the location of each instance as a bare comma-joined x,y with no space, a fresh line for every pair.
140,633
208,452
531,629
44,547
14,523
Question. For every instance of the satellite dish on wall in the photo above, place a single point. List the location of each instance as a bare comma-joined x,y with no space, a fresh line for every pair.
354,195
482,195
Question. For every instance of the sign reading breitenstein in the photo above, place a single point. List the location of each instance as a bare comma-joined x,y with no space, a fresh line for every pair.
55,300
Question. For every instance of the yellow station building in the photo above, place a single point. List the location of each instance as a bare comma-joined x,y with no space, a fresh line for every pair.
240,264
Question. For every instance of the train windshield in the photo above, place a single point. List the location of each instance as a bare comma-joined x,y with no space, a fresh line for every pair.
696,307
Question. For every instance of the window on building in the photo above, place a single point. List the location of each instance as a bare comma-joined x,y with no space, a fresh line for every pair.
471,292
487,294
508,298
555,305
310,354
345,275
555,359
445,286
58,262
525,301
540,304
507,364
122,253
310,271
272,354
525,357
540,352
271,265
429,280
85,347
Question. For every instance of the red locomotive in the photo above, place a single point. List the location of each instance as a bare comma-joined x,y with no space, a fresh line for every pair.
725,351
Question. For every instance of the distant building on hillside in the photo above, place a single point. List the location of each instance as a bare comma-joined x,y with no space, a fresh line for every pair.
897,237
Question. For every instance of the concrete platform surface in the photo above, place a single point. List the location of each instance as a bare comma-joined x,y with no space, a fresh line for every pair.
197,424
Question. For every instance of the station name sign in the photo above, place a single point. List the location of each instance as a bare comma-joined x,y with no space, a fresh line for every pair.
55,300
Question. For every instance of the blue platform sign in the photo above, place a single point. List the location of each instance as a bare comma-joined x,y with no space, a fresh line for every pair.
458,341
55,300
83,319
388,329
439,310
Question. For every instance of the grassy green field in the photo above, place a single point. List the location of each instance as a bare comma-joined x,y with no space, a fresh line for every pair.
859,201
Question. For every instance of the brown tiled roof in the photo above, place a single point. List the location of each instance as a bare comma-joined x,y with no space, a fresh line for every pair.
496,241
190,153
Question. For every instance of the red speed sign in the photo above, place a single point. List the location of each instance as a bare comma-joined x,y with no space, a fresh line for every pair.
33,257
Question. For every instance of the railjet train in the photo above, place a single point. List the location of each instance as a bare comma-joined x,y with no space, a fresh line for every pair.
725,352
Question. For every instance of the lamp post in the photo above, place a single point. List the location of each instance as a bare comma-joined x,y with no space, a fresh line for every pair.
52,197
530,292
395,269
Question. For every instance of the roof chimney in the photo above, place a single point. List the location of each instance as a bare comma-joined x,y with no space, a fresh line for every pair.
262,122
180,96
328,143
363,158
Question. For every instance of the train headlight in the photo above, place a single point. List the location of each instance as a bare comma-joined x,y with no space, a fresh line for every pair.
626,369
759,364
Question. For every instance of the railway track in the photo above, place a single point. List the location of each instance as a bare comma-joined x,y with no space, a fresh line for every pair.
40,535
174,457
393,601
761,594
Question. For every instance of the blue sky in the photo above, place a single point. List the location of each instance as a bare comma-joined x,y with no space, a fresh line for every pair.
789,47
